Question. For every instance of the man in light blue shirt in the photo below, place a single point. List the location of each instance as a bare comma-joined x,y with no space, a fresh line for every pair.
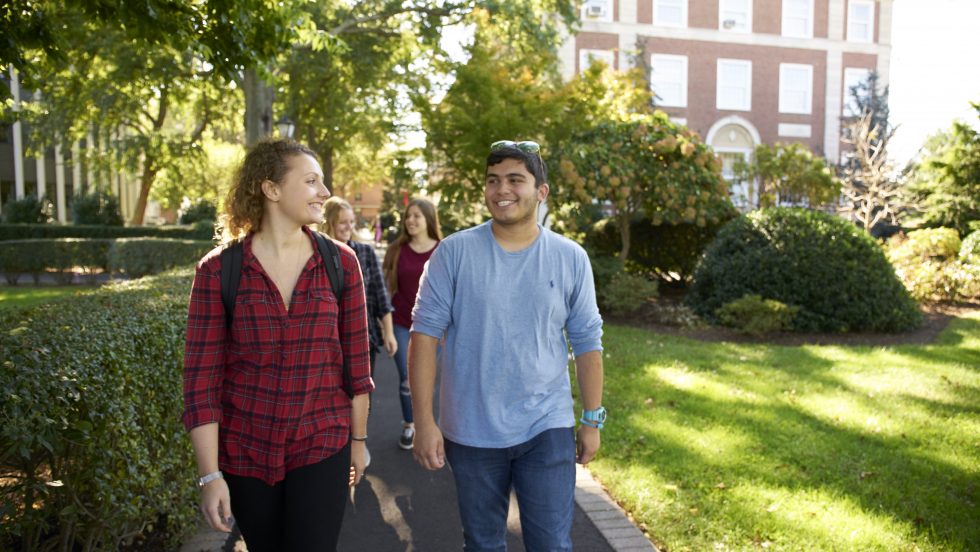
509,296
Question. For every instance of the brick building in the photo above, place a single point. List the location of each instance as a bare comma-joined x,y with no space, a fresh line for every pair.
743,72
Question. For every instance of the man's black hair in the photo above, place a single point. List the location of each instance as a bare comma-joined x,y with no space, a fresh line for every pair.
535,165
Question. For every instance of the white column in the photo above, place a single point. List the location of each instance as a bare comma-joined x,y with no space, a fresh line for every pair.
885,41
833,105
59,183
566,56
42,175
835,20
90,152
627,47
18,141
627,11
76,168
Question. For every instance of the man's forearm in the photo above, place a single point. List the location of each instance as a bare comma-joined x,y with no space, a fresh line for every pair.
588,371
422,375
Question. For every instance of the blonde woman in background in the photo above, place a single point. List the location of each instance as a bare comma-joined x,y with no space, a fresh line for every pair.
339,225
402,266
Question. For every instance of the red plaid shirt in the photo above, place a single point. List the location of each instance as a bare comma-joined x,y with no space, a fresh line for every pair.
274,382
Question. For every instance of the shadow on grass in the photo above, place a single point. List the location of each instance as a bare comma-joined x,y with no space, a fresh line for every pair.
779,442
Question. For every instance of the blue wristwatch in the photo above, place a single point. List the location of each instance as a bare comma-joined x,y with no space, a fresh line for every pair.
594,418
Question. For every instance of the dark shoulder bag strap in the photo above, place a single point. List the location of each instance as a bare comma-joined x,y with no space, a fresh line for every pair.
231,274
335,272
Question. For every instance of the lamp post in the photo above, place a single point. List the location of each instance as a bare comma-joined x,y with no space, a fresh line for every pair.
285,126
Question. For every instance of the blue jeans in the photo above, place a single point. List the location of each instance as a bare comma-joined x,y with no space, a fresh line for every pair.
401,362
541,472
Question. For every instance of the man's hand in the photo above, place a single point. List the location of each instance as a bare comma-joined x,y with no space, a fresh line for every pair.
587,443
428,449
216,505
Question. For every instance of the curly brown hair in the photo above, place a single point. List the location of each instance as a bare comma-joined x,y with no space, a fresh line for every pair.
267,160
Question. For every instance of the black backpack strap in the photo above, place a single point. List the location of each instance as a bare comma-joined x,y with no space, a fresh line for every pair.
231,274
330,254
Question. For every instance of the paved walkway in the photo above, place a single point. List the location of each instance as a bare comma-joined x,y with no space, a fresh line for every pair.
403,507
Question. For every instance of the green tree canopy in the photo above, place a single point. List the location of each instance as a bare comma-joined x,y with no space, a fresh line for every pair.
790,171
944,188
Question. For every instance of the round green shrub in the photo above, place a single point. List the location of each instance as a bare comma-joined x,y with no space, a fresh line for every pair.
754,315
96,208
28,210
835,273
970,248
938,244
201,210
625,293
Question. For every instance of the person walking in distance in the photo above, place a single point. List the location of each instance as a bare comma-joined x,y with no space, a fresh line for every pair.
339,225
277,421
504,295
403,264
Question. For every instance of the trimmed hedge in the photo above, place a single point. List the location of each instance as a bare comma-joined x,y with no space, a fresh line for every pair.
970,248
835,273
35,257
200,231
754,315
90,433
136,257
661,249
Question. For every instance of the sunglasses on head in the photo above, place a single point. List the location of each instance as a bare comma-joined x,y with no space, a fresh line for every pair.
526,146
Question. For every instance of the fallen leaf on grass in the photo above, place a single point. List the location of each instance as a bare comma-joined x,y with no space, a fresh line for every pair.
721,486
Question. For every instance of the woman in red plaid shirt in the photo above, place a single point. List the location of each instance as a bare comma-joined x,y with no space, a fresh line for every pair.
277,439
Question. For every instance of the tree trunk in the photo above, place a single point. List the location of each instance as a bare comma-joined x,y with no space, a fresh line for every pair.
258,107
326,155
623,221
146,182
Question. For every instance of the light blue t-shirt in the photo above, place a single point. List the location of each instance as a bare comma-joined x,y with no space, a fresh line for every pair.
505,316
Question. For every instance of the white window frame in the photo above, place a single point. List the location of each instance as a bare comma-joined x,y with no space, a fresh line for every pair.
584,55
784,91
808,33
721,102
661,23
725,5
682,102
851,35
607,13
852,77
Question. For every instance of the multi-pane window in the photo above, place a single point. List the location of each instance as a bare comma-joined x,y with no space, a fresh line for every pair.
735,15
670,13
798,18
597,10
795,88
861,20
852,78
734,85
587,57
668,78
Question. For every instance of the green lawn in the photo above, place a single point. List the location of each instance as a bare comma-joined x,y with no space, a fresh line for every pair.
721,446
24,296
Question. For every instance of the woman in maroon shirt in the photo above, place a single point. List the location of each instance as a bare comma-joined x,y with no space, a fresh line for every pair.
402,268
277,439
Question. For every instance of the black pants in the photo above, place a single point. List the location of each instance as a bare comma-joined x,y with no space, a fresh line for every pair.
301,513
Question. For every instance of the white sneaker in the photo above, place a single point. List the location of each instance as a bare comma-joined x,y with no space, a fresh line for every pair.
405,441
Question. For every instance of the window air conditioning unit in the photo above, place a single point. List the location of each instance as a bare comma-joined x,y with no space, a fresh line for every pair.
595,11
728,23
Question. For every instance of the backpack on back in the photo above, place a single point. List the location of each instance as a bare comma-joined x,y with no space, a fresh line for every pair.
231,275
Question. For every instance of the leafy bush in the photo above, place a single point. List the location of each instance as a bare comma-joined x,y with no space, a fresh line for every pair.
90,436
671,251
625,293
29,210
970,248
35,257
836,274
96,208
922,245
201,231
754,315
138,257
926,262
201,210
